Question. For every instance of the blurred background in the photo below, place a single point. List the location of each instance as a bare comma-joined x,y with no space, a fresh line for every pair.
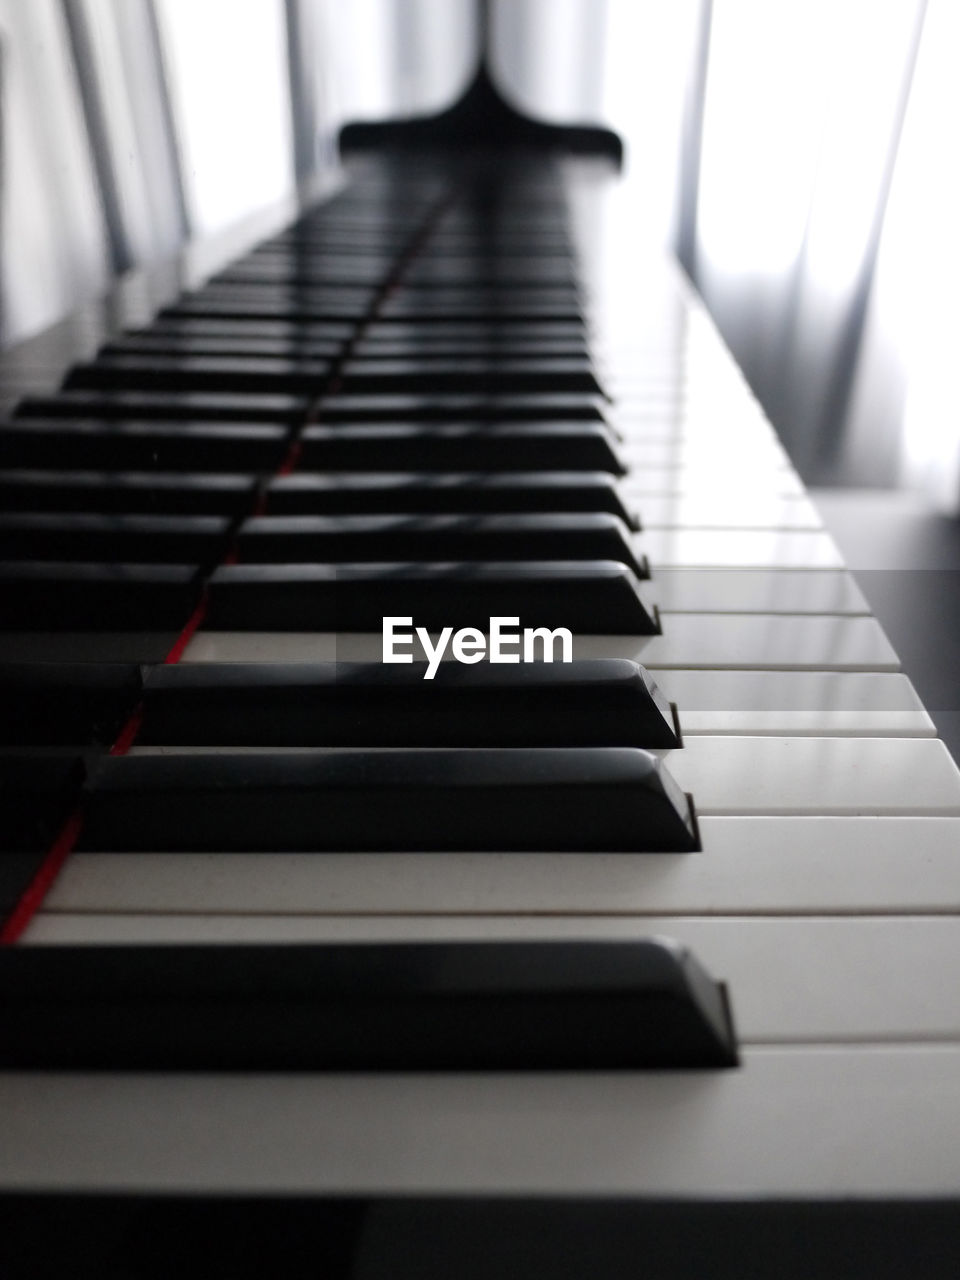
798,156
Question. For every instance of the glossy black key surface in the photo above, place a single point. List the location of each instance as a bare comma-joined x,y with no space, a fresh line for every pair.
357,493
601,703
188,328
493,346
134,539
116,445
469,373
37,791
75,596
268,308
398,1006
199,373
576,536
186,406
466,446
518,406
599,596
598,799
66,704
200,344
133,492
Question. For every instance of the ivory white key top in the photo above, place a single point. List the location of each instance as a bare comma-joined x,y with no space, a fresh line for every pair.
740,548
830,591
758,865
792,1122
769,775
716,511
789,703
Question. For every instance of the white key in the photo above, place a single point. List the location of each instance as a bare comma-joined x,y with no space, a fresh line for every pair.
830,591
739,548
761,865
789,703
669,480
770,775
791,1122
712,511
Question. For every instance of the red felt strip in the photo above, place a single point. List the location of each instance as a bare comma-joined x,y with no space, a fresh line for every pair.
46,873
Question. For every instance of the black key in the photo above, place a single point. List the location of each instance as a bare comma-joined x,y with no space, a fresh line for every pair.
357,493
268,308
603,703
494,374
209,406
187,344
583,596
72,596
403,306
66,704
332,539
493,346
142,446
467,446
400,1006
188,329
37,791
504,332
134,539
134,492
173,373
599,799
542,406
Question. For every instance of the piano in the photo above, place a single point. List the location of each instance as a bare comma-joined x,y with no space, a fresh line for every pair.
641,962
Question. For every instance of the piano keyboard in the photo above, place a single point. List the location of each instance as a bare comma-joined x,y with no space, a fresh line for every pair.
412,401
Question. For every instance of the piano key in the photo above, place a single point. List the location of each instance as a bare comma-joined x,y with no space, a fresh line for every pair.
806,865
412,1007
740,548
791,703
265,374
640,1135
528,446
599,798
774,775
704,511
338,310
134,539
517,406
188,329
37,790
495,344
76,703
706,641
571,594
382,329
358,492
574,536
545,704
206,406
827,591
466,373
695,483
170,493
186,343
138,446
874,968
79,596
